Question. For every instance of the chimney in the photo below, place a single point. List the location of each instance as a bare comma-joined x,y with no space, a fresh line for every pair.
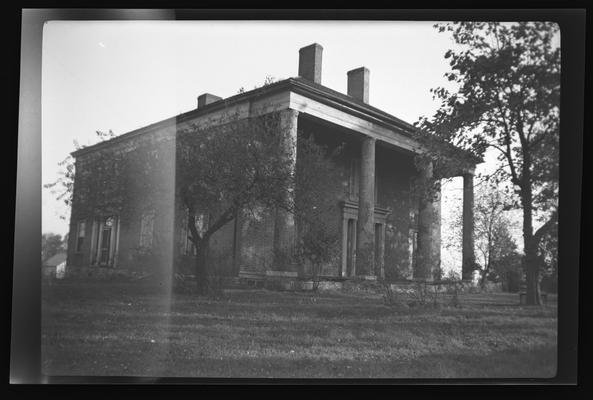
358,84
310,62
206,99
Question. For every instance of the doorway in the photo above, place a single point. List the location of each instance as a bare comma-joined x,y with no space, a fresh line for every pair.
106,241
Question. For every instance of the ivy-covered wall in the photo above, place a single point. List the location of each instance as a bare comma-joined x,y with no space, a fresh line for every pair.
128,179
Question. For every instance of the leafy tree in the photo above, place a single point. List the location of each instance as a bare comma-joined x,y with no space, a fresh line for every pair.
63,186
507,99
493,239
507,270
548,258
51,244
240,166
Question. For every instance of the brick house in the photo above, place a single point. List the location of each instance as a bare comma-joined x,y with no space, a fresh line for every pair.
374,207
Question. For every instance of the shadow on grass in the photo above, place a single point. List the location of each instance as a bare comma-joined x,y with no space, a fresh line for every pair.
122,329
539,362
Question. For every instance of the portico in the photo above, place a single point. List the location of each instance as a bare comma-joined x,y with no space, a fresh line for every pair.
363,222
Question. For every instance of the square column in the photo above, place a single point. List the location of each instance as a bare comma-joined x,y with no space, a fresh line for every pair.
365,231
436,227
468,255
424,261
380,250
284,224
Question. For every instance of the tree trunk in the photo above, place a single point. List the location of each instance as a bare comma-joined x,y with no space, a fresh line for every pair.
316,268
201,269
485,271
483,280
531,272
530,265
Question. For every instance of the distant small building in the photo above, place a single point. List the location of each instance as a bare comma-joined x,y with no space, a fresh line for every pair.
55,266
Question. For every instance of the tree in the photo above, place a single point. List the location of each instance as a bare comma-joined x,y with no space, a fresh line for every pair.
51,244
507,100
240,166
493,239
508,271
63,186
548,258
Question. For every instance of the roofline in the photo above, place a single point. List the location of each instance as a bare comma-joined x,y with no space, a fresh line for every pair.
299,85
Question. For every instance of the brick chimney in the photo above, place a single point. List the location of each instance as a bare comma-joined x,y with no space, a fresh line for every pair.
310,62
358,84
206,99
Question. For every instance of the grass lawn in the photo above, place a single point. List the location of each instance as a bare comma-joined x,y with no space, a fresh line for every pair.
132,329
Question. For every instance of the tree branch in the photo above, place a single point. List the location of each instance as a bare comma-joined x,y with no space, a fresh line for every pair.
537,236
508,153
227,216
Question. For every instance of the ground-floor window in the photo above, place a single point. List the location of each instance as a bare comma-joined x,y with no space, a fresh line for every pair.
147,229
80,234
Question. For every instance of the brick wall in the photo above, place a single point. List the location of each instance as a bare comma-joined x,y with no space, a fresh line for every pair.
394,171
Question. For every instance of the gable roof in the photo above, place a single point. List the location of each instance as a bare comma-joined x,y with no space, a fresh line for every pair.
55,259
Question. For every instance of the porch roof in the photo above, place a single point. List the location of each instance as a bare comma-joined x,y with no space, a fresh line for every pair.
297,85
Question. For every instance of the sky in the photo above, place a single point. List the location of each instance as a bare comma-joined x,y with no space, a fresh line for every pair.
123,75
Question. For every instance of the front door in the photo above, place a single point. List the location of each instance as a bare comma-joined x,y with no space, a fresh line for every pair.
105,241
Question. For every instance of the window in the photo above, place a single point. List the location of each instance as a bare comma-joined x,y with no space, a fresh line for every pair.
147,229
80,235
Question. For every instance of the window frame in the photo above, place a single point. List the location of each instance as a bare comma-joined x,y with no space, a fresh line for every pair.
80,238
